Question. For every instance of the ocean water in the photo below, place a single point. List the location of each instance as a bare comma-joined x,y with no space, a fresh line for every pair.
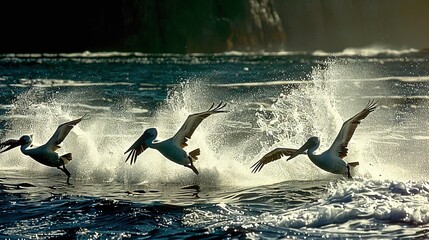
273,99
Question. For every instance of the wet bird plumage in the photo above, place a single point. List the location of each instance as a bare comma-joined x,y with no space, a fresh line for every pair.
332,159
172,148
45,154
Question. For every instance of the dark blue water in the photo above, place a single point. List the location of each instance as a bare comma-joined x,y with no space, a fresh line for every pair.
273,100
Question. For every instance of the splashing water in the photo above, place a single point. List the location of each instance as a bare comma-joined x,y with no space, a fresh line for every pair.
273,101
229,143
319,108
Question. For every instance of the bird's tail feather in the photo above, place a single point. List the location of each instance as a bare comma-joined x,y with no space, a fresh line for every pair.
194,154
353,164
66,158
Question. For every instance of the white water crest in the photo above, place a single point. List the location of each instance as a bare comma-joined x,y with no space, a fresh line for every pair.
367,52
358,206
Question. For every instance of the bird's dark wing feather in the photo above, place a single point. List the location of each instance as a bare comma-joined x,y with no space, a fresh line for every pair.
137,148
61,133
347,130
193,121
272,156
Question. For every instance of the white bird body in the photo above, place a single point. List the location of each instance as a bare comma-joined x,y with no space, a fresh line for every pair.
172,148
43,154
328,161
172,151
332,159
46,154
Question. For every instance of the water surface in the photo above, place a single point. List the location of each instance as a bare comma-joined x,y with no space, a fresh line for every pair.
274,99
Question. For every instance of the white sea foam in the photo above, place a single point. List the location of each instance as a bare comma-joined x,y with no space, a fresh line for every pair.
46,83
406,79
367,52
350,206
259,84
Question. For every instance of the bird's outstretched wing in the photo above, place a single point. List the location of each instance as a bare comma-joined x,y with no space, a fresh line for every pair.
61,133
192,122
272,156
348,129
12,143
137,148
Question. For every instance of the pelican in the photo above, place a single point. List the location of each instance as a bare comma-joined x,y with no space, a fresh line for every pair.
332,159
172,148
46,154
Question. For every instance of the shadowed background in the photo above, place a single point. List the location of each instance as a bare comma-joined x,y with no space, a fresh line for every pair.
186,26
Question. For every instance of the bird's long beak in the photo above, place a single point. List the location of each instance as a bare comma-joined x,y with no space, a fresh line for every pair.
9,148
12,144
301,150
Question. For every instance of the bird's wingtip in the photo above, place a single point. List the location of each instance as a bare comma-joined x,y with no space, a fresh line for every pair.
218,107
85,117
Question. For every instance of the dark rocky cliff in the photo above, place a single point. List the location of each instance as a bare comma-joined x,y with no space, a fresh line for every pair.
178,26
207,26
201,26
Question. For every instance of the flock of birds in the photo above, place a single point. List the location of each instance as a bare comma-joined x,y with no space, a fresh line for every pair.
173,148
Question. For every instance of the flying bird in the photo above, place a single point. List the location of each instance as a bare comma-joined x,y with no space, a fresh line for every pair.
332,159
172,148
45,154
